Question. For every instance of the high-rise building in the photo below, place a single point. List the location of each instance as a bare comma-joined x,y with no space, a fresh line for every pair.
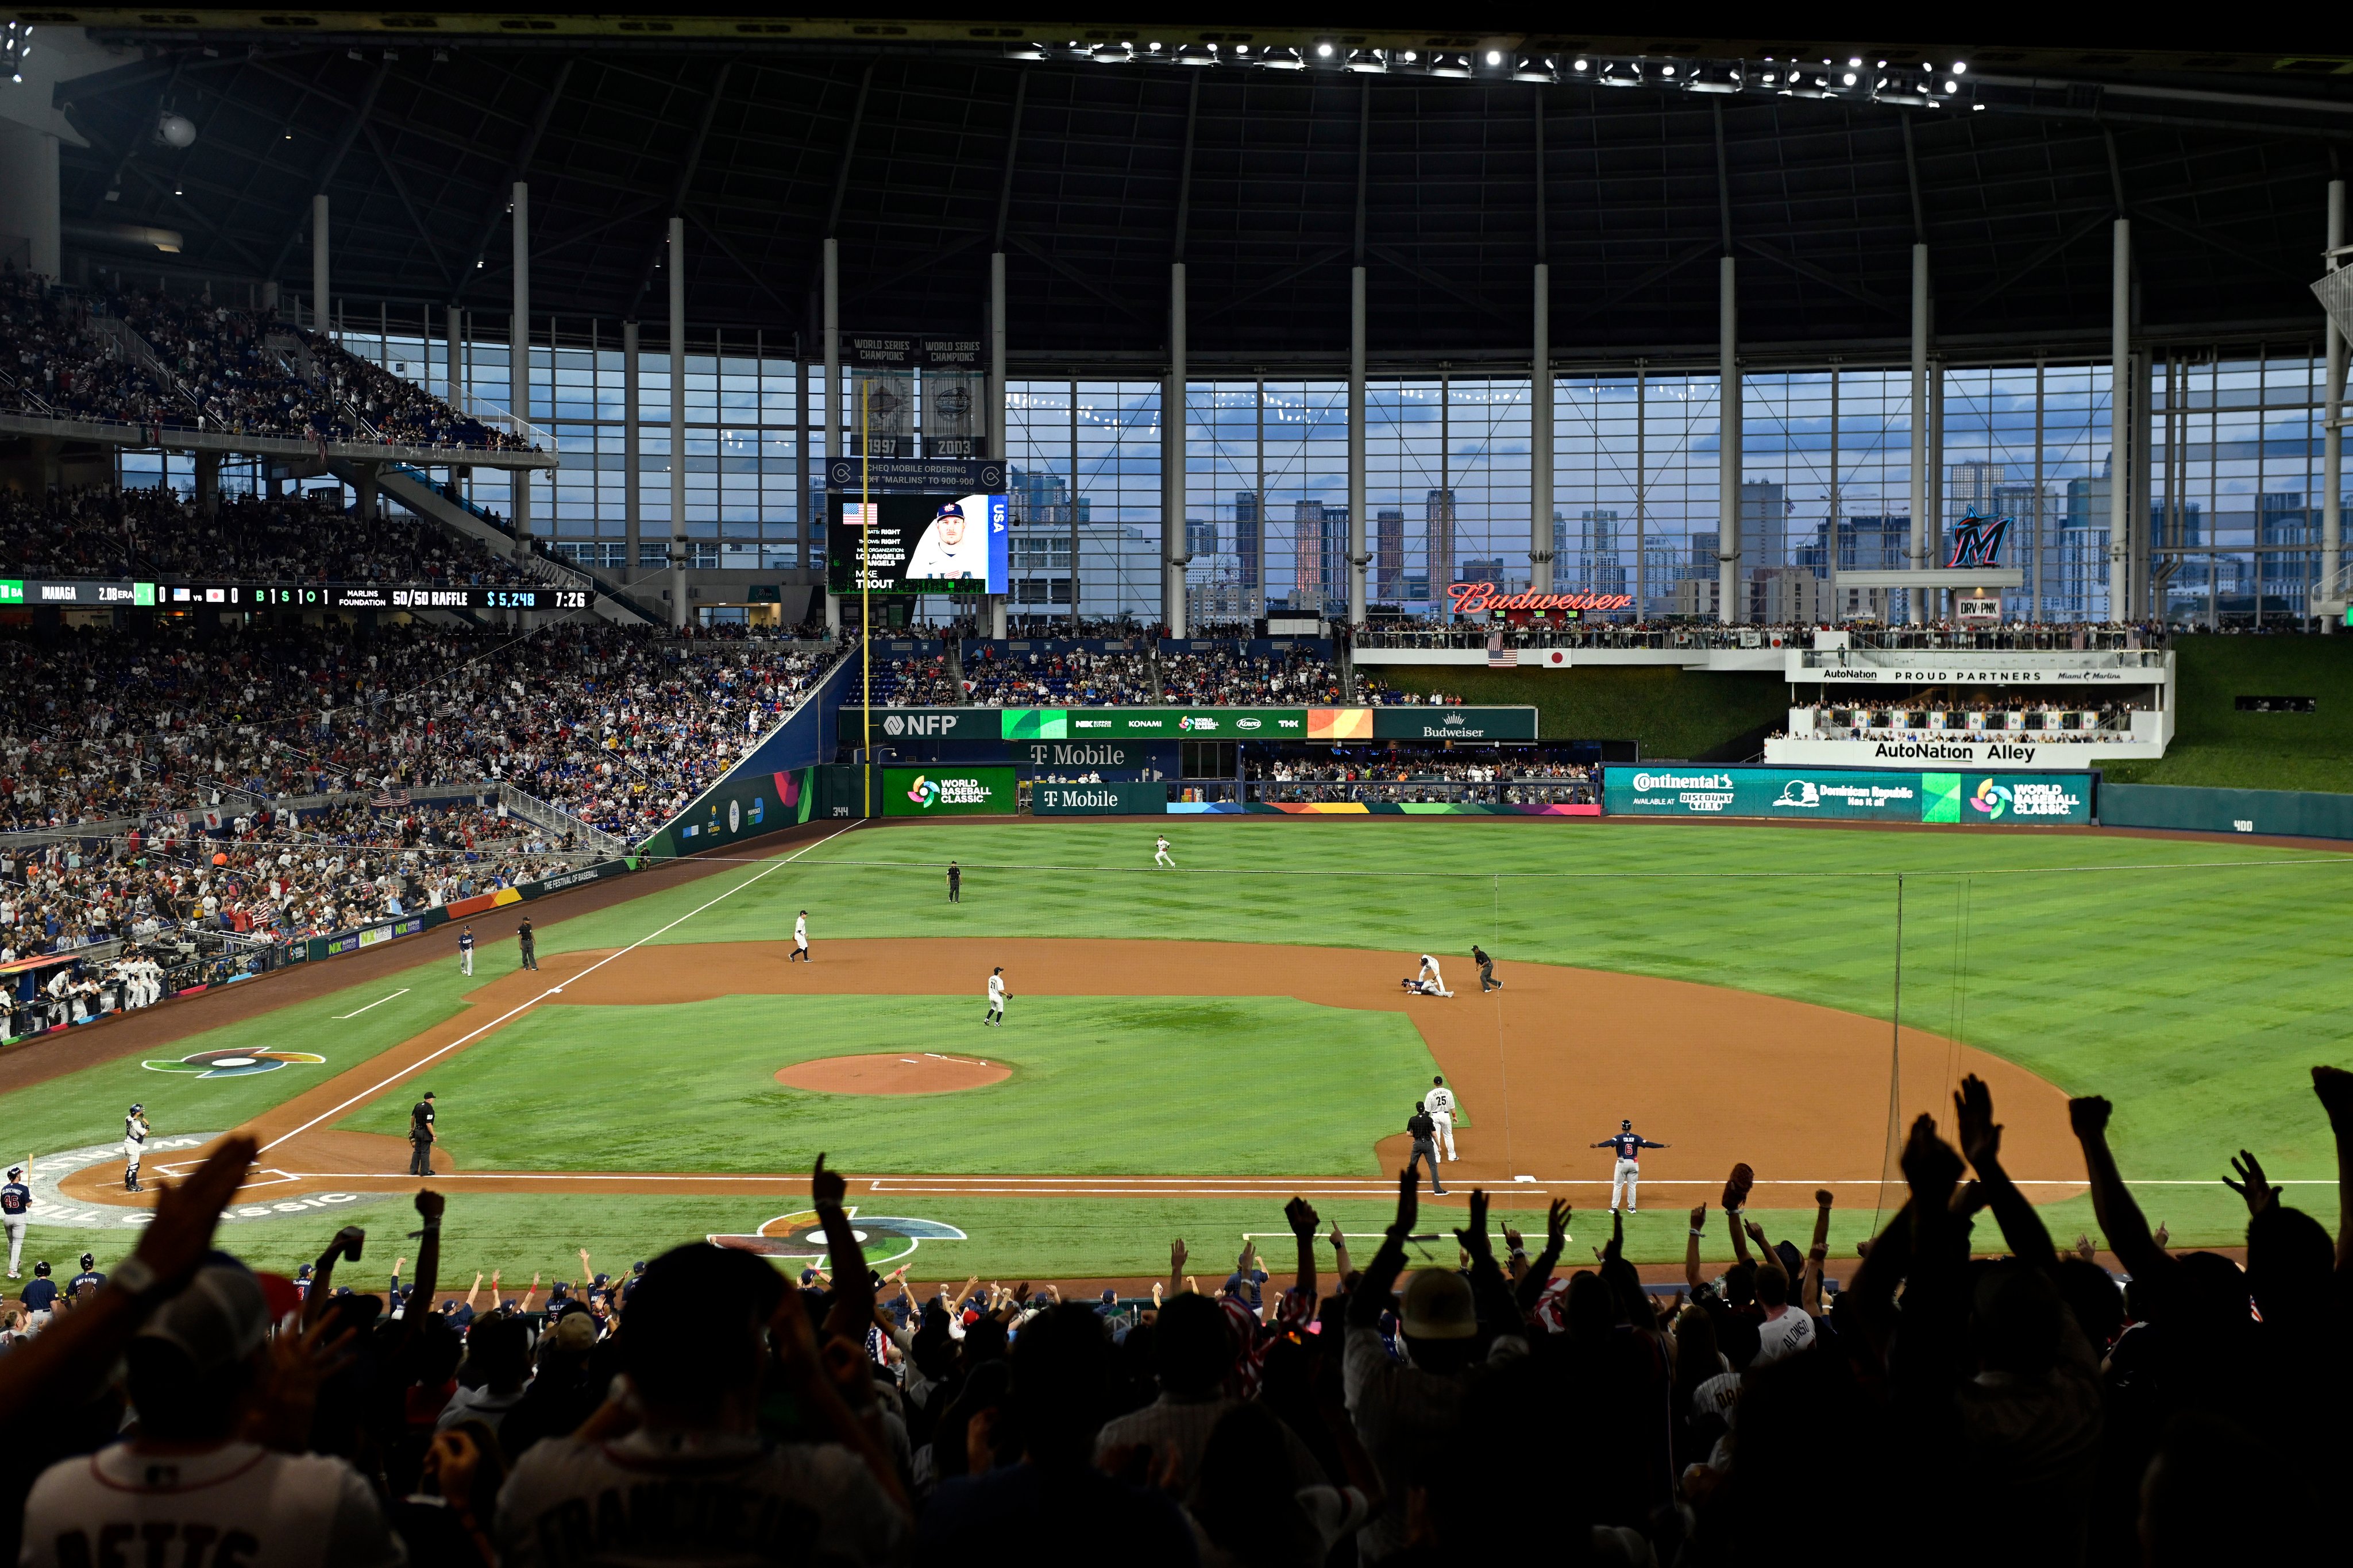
1388,554
1764,524
1438,536
1602,573
1320,555
1201,538
1971,486
1247,523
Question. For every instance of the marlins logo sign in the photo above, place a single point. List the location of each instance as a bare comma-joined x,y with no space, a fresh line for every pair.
1978,541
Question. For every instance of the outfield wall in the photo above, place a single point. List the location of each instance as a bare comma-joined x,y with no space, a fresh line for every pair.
2296,814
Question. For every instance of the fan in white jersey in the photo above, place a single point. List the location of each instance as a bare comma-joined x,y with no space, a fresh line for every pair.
188,1488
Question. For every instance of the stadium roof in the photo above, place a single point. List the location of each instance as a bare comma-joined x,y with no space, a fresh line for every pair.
923,146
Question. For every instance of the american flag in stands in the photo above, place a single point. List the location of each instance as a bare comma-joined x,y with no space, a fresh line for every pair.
391,794
1498,655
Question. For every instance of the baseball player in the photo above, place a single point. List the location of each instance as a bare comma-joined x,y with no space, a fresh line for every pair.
88,1276
1487,981
1160,855
134,1144
1432,982
1440,1104
997,994
1423,1131
956,883
15,1204
800,939
466,950
1629,1163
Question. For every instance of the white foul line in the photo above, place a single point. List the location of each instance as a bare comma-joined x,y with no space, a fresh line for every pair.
377,1003
551,991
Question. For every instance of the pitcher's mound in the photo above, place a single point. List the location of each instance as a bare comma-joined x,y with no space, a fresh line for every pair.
916,1073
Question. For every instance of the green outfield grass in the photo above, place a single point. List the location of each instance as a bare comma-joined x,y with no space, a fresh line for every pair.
2191,983
1101,1086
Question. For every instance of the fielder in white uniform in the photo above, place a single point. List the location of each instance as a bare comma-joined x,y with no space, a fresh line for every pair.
800,939
1438,1104
1160,853
996,1013
1433,983
134,1144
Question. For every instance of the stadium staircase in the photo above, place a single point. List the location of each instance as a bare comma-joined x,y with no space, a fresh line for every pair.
415,489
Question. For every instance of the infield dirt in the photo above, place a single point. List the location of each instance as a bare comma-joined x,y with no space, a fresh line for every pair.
1545,1066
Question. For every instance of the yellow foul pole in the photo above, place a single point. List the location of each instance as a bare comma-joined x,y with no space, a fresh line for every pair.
865,620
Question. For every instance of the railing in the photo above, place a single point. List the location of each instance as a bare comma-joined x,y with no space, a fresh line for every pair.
1516,792
2338,589
557,820
1697,635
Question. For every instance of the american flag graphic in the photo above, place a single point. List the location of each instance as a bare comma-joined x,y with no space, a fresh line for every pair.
1498,655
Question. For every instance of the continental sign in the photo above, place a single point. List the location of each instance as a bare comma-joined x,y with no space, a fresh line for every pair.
1796,794
1329,724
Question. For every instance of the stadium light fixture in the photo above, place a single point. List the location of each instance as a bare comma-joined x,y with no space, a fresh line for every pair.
1960,67
1582,65
1324,51
1494,57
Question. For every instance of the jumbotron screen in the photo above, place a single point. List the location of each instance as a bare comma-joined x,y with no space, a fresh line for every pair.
917,545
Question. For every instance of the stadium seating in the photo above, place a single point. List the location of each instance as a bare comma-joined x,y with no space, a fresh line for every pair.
151,358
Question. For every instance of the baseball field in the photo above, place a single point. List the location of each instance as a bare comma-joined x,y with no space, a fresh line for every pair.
1183,1050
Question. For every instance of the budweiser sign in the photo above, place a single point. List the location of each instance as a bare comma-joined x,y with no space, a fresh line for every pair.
1477,598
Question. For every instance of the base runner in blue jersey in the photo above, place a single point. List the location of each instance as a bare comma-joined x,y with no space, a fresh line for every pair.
1628,1171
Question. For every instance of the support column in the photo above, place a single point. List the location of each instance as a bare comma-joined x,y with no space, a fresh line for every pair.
366,489
1916,600
1356,332
677,264
633,521
1540,453
1174,553
997,444
833,421
2332,437
1730,607
2120,424
209,483
319,307
519,362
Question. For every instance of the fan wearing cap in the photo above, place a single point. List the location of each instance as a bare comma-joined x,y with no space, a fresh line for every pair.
15,1205
949,548
187,1487
1403,1408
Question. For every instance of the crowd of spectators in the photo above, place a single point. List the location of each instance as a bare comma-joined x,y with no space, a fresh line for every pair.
56,362
1931,715
1442,631
237,371
1077,677
280,873
1971,1389
1403,764
618,728
155,533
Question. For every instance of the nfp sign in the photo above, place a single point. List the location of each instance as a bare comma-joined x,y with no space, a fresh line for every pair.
919,724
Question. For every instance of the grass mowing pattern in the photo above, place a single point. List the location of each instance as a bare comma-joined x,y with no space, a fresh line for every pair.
1101,1086
2194,996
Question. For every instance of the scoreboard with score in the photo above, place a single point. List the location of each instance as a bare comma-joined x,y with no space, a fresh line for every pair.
102,593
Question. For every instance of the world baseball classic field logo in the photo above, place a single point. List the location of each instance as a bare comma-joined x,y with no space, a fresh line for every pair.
799,1238
235,1064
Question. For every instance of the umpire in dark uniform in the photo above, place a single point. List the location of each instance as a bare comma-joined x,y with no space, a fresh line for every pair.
529,943
420,1138
1425,1145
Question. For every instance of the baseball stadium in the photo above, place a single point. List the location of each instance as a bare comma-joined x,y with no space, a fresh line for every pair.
1189,787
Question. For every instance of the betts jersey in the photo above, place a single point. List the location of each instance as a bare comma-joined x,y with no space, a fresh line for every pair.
236,1503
